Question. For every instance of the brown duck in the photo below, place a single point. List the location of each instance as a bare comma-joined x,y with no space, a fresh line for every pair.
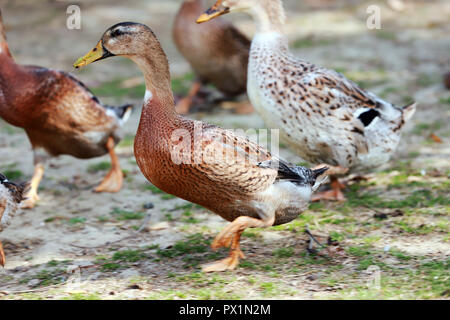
60,116
11,195
218,54
202,163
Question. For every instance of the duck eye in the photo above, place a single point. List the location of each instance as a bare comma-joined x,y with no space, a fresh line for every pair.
116,33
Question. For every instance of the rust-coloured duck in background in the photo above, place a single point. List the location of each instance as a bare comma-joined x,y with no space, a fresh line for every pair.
60,116
217,53
247,186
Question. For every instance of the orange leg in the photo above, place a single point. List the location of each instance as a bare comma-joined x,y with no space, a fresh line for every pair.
184,104
230,237
114,179
335,194
2,255
32,195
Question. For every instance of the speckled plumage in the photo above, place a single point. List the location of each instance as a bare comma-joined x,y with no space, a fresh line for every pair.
318,109
11,195
322,116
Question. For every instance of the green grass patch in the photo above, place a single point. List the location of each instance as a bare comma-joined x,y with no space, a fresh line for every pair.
13,174
424,128
182,84
121,215
101,166
283,252
47,277
386,35
156,190
195,243
129,256
115,89
188,217
75,221
416,199
127,141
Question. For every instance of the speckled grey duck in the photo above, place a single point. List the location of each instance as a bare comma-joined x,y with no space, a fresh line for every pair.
60,116
11,195
322,116
202,163
218,53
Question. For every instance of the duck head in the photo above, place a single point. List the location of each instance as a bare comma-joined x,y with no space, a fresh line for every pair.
129,39
218,9
137,42
269,14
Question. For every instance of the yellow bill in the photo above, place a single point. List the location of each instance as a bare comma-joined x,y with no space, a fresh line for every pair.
95,54
215,11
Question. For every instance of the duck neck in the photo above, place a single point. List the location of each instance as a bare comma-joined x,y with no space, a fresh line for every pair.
269,16
159,102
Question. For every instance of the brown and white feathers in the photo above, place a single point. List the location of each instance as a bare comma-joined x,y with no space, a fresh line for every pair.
11,195
323,116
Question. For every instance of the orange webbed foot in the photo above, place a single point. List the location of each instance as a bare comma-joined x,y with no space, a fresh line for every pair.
114,179
31,199
229,263
230,237
32,196
112,182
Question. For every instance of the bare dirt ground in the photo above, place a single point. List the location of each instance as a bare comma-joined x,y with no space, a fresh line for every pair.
80,245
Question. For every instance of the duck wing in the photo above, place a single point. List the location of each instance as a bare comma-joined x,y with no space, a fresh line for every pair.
331,95
233,160
63,101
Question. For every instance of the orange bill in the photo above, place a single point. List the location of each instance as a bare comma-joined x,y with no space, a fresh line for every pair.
215,11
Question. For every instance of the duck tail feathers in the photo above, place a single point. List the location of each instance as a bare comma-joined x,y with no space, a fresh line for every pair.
122,113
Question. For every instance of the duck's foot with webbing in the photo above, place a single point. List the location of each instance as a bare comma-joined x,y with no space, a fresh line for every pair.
230,237
32,196
113,181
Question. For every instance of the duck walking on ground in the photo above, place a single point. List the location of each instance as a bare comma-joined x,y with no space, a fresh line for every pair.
323,117
11,195
202,163
60,116
218,54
